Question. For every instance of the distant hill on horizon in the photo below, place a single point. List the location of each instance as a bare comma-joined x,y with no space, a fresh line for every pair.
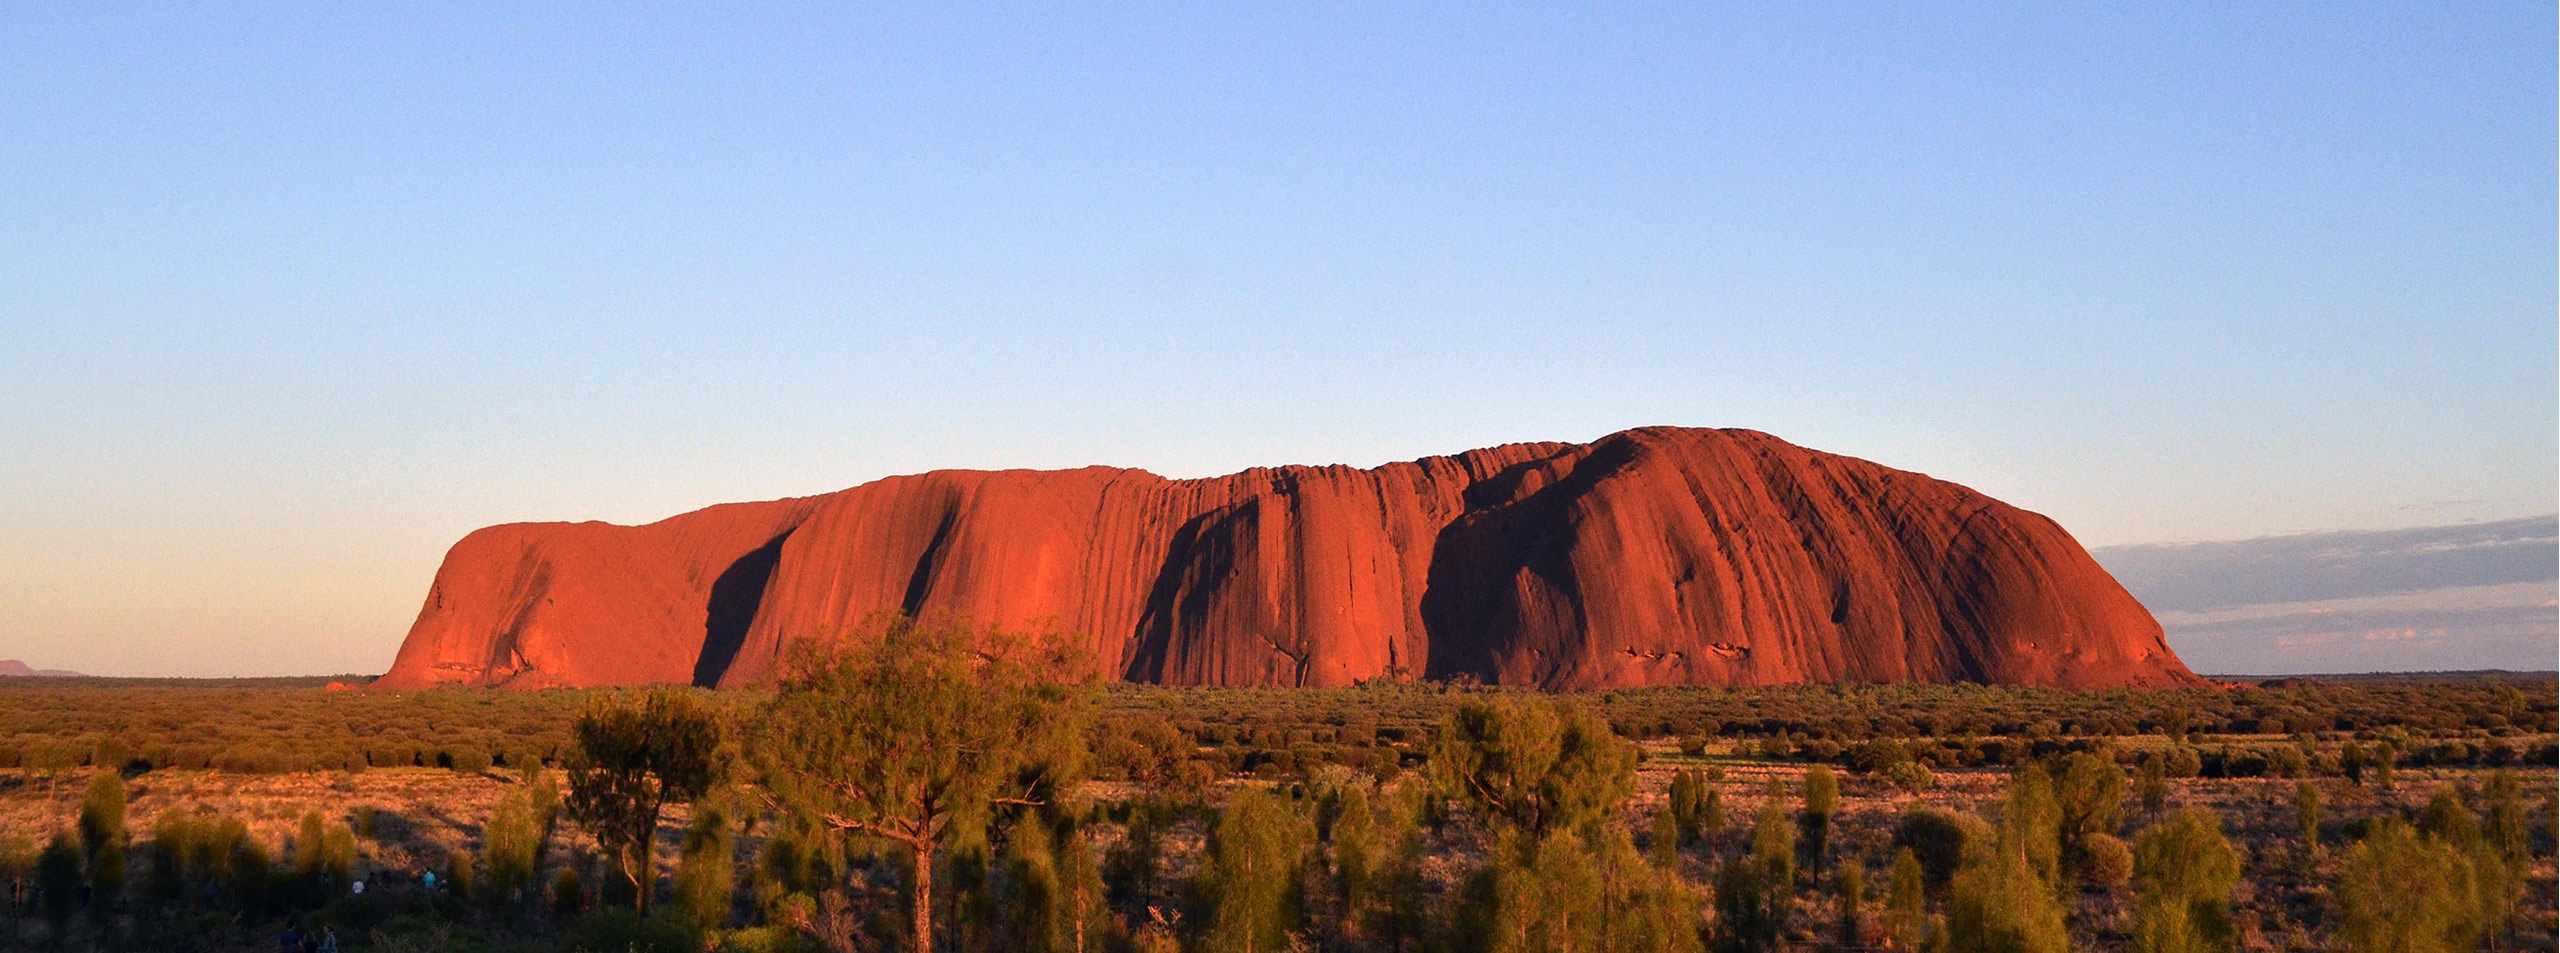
13,668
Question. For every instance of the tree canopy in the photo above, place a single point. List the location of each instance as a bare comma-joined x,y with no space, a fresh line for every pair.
913,733
637,752
1536,765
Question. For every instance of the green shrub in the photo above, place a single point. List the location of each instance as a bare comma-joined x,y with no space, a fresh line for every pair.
2184,873
2400,892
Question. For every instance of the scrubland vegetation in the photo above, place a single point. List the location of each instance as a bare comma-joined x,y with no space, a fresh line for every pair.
946,786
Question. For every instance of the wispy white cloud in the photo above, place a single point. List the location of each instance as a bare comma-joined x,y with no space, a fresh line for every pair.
2455,597
2203,576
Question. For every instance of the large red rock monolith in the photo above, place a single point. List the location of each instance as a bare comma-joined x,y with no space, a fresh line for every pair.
1659,556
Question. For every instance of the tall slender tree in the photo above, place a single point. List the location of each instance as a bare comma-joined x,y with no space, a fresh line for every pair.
1357,851
1755,894
1688,806
102,836
1251,878
2507,829
2306,816
1906,907
1821,801
2006,899
1849,892
707,866
58,879
17,866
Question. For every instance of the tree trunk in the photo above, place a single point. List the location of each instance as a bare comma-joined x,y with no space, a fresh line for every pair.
923,900
637,866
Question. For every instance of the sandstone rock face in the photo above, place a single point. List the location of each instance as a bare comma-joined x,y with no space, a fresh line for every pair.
1660,556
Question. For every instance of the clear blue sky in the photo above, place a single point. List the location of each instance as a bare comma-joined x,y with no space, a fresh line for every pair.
293,297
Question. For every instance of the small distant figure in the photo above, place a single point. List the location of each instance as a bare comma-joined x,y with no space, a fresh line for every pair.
290,941
329,940
431,881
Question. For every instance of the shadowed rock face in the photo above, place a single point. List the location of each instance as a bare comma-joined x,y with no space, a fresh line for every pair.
1660,556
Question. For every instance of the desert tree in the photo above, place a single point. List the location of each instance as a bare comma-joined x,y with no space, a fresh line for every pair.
1031,907
2184,871
2403,892
1755,894
1402,914
2154,786
2495,885
1710,816
1052,892
1130,868
1906,907
542,799
1084,915
916,733
2306,816
58,879
706,865
309,839
1566,893
2031,820
102,836
242,862
1663,849
1549,778
2506,823
1250,878
17,866
636,753
173,835
1821,801
1532,765
1999,904
2005,899
323,856
337,853
1356,850
2184,761
1687,807
1849,892
461,874
1644,909
509,842
2089,798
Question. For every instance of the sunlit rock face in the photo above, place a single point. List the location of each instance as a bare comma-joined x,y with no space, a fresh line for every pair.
1658,556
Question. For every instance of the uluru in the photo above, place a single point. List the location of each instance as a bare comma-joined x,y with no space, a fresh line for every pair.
1655,556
